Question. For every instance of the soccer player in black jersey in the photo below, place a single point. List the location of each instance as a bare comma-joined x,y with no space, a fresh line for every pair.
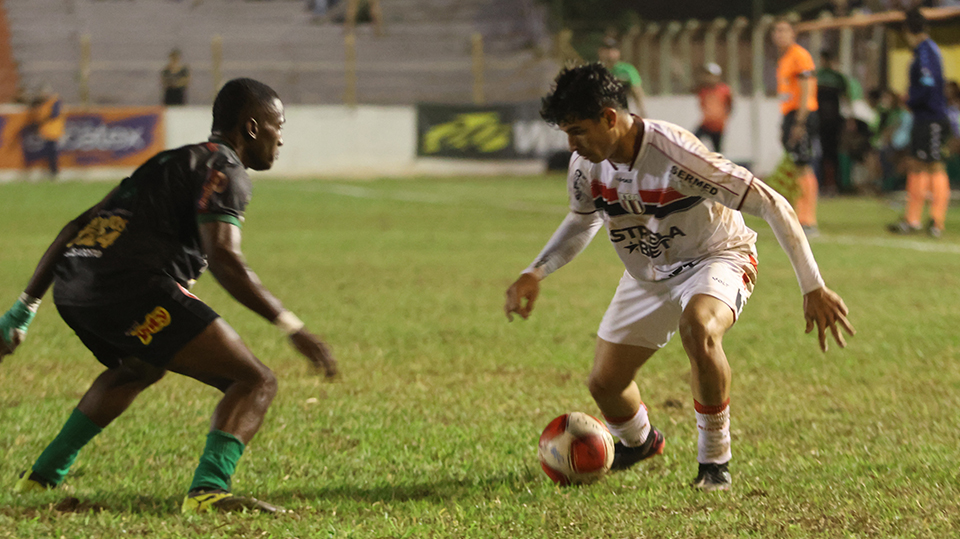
121,274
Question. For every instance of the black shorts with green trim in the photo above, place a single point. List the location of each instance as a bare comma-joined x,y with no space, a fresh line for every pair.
152,327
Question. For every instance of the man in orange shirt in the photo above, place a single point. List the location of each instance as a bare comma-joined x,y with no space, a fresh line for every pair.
797,89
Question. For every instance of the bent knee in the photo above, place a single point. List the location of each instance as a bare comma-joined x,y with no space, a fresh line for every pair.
700,331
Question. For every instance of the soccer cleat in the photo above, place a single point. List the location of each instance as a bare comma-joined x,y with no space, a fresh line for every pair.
903,228
713,477
810,231
933,230
625,457
31,482
206,501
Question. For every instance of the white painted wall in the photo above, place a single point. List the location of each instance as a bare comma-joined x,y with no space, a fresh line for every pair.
324,140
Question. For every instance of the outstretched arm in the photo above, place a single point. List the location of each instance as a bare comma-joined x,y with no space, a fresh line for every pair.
14,323
822,307
221,243
573,235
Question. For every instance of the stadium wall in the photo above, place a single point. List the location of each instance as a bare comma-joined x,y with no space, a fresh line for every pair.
380,141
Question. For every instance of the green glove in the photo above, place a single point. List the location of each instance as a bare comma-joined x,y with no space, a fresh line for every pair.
14,323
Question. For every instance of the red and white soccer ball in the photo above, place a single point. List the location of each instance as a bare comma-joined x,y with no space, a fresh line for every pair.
575,448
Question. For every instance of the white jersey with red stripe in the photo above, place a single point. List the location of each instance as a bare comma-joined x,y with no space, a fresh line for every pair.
676,205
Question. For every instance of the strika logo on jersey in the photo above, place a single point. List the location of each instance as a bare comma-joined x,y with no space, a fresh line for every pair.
158,319
648,242
692,180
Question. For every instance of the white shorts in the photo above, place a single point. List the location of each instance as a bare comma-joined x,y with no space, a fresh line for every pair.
647,313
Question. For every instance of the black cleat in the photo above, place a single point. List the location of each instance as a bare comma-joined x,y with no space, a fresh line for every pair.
903,228
625,457
713,477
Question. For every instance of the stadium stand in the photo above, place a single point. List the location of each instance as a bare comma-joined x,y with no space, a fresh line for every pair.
425,54
9,80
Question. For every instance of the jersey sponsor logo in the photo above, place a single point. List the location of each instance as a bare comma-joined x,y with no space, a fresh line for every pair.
216,183
102,231
154,322
685,177
640,238
579,185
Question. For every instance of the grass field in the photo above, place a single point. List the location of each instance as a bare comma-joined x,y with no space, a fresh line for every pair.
431,430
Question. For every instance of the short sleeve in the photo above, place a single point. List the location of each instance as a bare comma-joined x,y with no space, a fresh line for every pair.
224,195
803,64
578,186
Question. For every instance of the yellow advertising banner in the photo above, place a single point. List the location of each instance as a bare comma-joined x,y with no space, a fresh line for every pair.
94,137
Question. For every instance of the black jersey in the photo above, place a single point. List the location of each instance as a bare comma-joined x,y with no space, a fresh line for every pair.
149,229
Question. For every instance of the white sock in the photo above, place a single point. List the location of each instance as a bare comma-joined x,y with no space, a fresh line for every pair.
713,425
632,431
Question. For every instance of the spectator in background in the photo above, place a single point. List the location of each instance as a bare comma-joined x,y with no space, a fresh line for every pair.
890,136
609,56
362,11
47,115
926,173
175,78
716,102
797,88
953,107
831,90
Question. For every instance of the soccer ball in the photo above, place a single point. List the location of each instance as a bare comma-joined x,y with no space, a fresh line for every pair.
575,449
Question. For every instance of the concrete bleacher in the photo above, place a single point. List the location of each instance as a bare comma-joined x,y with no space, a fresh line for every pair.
424,54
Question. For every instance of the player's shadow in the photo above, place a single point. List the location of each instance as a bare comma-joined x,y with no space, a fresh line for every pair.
440,490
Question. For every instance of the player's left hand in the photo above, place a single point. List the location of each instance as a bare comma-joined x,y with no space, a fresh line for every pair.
316,351
824,309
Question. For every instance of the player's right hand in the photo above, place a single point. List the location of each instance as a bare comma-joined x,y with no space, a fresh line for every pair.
527,287
316,351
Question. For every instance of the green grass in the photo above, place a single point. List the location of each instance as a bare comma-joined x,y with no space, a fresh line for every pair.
431,431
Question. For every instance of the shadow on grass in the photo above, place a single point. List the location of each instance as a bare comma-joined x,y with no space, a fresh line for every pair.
440,490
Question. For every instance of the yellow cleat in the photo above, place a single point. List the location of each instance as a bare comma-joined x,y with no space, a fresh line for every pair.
222,501
31,483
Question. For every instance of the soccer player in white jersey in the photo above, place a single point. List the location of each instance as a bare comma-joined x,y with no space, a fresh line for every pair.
672,211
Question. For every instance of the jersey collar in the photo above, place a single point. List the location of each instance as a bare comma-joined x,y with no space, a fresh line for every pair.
641,127
217,139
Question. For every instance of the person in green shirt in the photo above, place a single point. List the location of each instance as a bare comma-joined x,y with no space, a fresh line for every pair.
609,55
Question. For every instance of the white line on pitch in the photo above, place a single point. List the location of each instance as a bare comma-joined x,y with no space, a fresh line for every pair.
913,245
432,198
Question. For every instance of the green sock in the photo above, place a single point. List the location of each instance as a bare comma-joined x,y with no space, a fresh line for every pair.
218,462
56,459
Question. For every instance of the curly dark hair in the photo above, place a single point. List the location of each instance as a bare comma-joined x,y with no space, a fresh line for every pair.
581,93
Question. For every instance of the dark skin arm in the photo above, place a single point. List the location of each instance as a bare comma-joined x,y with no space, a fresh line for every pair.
221,243
42,276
